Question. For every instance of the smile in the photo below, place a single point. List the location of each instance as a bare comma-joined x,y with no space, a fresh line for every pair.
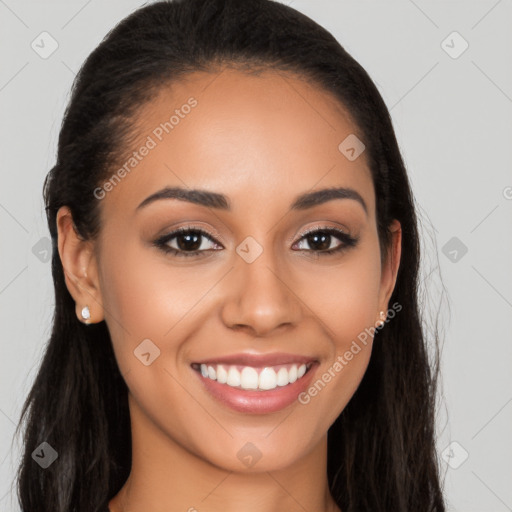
253,383
253,378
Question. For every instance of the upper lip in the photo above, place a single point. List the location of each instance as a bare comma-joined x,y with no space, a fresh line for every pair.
258,360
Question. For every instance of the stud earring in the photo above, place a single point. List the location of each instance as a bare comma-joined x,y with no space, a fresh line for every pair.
86,314
382,320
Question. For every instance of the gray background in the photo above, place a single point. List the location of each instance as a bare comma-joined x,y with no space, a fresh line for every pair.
452,113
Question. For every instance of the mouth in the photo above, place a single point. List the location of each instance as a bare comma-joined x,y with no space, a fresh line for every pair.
253,378
256,383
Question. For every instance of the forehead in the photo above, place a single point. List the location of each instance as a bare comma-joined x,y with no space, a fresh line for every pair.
268,137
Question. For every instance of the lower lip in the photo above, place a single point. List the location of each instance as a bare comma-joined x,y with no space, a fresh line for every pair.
257,402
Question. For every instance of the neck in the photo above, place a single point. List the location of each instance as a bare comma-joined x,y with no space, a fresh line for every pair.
165,476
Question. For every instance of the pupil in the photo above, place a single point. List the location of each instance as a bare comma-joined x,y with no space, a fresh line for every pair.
324,244
188,245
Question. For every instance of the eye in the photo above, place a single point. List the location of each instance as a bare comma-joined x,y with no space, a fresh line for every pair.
321,240
189,242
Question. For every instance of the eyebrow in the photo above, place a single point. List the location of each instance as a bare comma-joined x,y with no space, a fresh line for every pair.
221,202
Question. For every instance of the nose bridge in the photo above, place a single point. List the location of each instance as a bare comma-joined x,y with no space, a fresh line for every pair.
260,297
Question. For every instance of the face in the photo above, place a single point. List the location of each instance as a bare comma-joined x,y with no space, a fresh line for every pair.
266,286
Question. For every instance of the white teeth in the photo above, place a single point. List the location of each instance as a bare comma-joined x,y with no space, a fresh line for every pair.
282,377
268,379
222,374
249,378
292,374
233,377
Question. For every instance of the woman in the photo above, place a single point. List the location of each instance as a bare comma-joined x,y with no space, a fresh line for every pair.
235,258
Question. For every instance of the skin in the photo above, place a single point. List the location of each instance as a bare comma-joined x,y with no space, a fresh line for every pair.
261,140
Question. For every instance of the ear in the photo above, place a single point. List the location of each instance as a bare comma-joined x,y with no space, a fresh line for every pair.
390,266
80,267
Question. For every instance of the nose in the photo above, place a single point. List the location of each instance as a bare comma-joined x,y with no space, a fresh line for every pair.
261,297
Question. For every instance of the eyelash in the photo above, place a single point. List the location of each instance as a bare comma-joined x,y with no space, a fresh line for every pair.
347,240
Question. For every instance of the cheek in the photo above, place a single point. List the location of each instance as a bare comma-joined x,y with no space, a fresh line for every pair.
345,298
146,298
356,306
136,302
346,302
